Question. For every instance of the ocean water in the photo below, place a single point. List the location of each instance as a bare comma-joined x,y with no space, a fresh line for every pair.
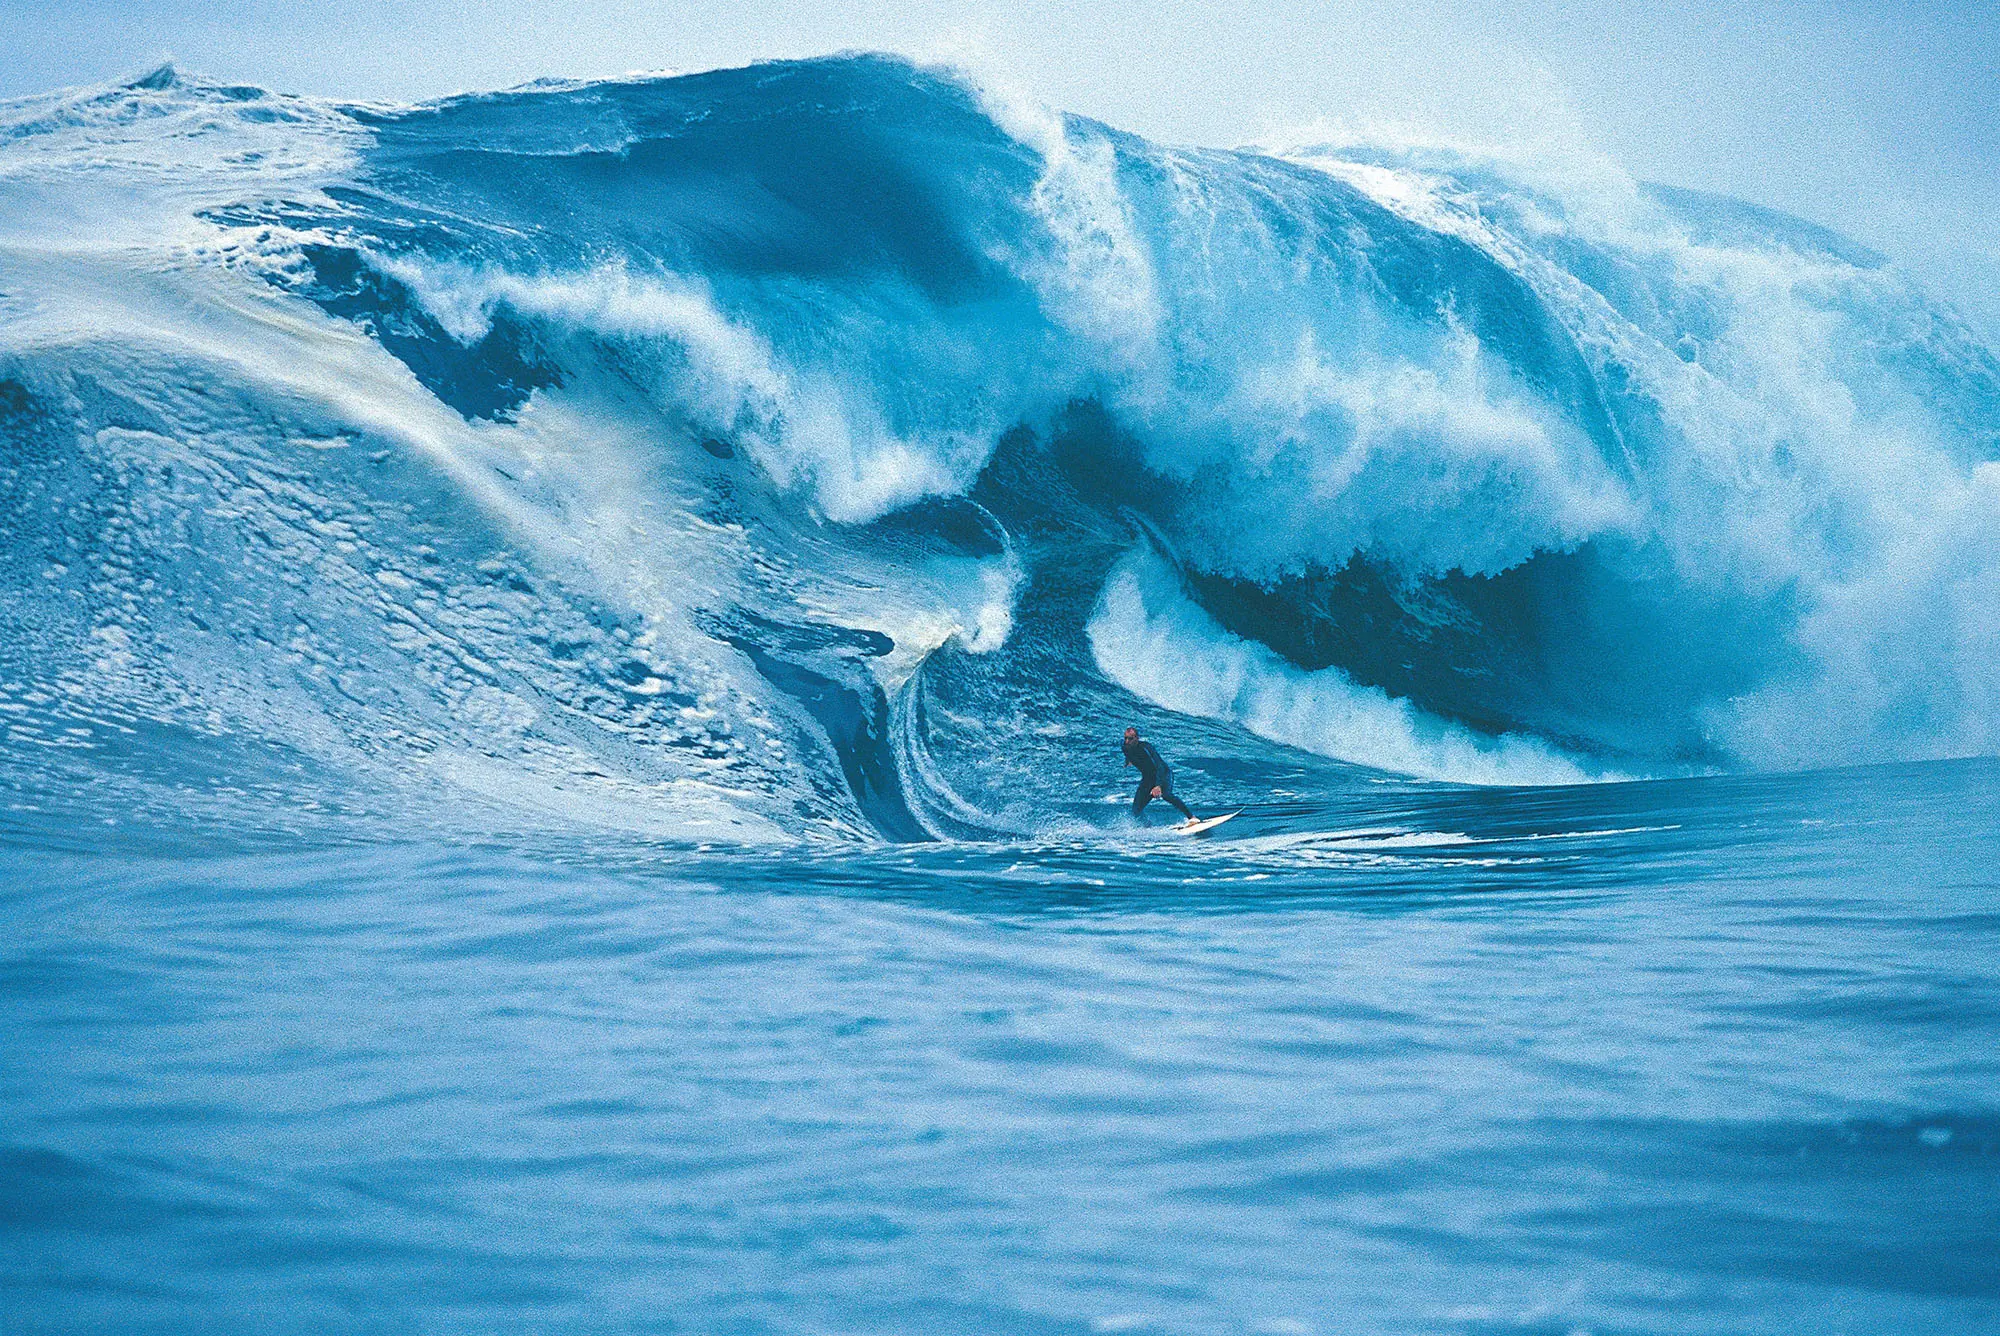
1707,1055
563,663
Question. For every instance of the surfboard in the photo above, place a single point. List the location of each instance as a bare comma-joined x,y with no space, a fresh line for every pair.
1197,827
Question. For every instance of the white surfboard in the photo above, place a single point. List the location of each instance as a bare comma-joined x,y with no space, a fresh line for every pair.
1197,827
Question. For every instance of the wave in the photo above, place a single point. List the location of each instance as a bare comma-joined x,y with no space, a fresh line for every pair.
838,449
1151,638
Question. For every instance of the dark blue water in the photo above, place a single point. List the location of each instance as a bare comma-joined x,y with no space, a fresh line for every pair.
1714,1055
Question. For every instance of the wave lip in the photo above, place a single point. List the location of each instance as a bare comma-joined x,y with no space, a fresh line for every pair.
1150,638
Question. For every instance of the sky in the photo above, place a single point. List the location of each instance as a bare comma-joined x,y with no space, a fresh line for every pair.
1880,120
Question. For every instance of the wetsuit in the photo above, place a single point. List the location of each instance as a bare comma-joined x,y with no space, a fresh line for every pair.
1153,773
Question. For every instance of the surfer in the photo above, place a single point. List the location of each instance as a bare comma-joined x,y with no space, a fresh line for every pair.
1156,778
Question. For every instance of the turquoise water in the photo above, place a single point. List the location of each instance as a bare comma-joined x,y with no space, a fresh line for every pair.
1711,1055
563,665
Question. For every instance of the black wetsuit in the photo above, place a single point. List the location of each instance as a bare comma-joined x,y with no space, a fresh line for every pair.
1154,773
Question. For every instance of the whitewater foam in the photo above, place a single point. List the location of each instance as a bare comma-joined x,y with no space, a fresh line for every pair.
1148,637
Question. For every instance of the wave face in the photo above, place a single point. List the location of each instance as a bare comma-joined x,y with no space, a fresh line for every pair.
838,448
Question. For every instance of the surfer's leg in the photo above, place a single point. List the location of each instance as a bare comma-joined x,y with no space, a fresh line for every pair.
1143,796
1174,798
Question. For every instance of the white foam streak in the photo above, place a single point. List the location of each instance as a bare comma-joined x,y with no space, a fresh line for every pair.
1095,275
1152,641
1401,458
808,430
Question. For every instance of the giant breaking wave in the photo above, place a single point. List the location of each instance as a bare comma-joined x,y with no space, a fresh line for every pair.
839,449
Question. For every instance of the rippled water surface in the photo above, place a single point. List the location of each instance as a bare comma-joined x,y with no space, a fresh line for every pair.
1708,1055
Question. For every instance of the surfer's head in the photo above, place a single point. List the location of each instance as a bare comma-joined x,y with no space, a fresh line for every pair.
1131,735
